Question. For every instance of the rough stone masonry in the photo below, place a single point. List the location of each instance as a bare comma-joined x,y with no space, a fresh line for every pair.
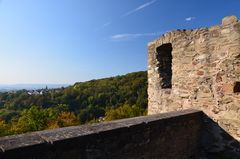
198,69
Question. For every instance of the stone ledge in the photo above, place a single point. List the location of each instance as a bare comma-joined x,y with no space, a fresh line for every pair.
9,143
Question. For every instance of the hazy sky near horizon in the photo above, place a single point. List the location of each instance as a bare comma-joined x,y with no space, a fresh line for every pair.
65,41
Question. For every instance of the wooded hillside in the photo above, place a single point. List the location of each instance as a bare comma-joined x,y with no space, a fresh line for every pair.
84,102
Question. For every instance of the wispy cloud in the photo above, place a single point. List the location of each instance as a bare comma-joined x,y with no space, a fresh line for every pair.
127,36
189,19
103,26
127,14
139,8
106,24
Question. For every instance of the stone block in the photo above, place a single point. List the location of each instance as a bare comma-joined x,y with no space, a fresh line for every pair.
229,20
227,88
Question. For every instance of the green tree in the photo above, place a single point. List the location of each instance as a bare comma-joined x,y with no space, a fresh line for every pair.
90,113
124,111
33,119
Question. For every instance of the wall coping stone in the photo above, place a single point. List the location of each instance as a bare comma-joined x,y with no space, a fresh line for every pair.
9,143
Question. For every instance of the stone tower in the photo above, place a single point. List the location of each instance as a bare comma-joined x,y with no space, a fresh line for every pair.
198,69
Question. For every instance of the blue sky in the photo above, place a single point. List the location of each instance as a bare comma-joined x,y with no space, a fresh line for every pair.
65,41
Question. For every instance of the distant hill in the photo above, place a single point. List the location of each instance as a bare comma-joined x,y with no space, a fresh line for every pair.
114,91
15,87
87,100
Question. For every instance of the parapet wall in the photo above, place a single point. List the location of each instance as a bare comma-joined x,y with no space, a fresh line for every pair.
198,69
163,136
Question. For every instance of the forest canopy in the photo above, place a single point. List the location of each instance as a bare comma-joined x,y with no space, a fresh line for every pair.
84,102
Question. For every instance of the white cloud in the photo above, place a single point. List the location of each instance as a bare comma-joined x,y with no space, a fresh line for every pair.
190,18
103,26
139,8
106,24
127,36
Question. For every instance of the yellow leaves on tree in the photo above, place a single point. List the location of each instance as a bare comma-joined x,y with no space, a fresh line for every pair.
64,119
3,127
124,111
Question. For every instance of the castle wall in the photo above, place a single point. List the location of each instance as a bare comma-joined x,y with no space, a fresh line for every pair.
205,74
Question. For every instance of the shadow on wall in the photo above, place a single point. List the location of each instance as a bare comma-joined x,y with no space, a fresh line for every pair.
216,143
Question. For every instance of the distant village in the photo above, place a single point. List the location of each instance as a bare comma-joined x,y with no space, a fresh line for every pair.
35,89
38,92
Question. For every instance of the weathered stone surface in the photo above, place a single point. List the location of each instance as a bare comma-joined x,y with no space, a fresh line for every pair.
229,20
19,141
205,65
227,88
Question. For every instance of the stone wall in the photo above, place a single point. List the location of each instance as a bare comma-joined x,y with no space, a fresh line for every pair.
205,74
173,135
